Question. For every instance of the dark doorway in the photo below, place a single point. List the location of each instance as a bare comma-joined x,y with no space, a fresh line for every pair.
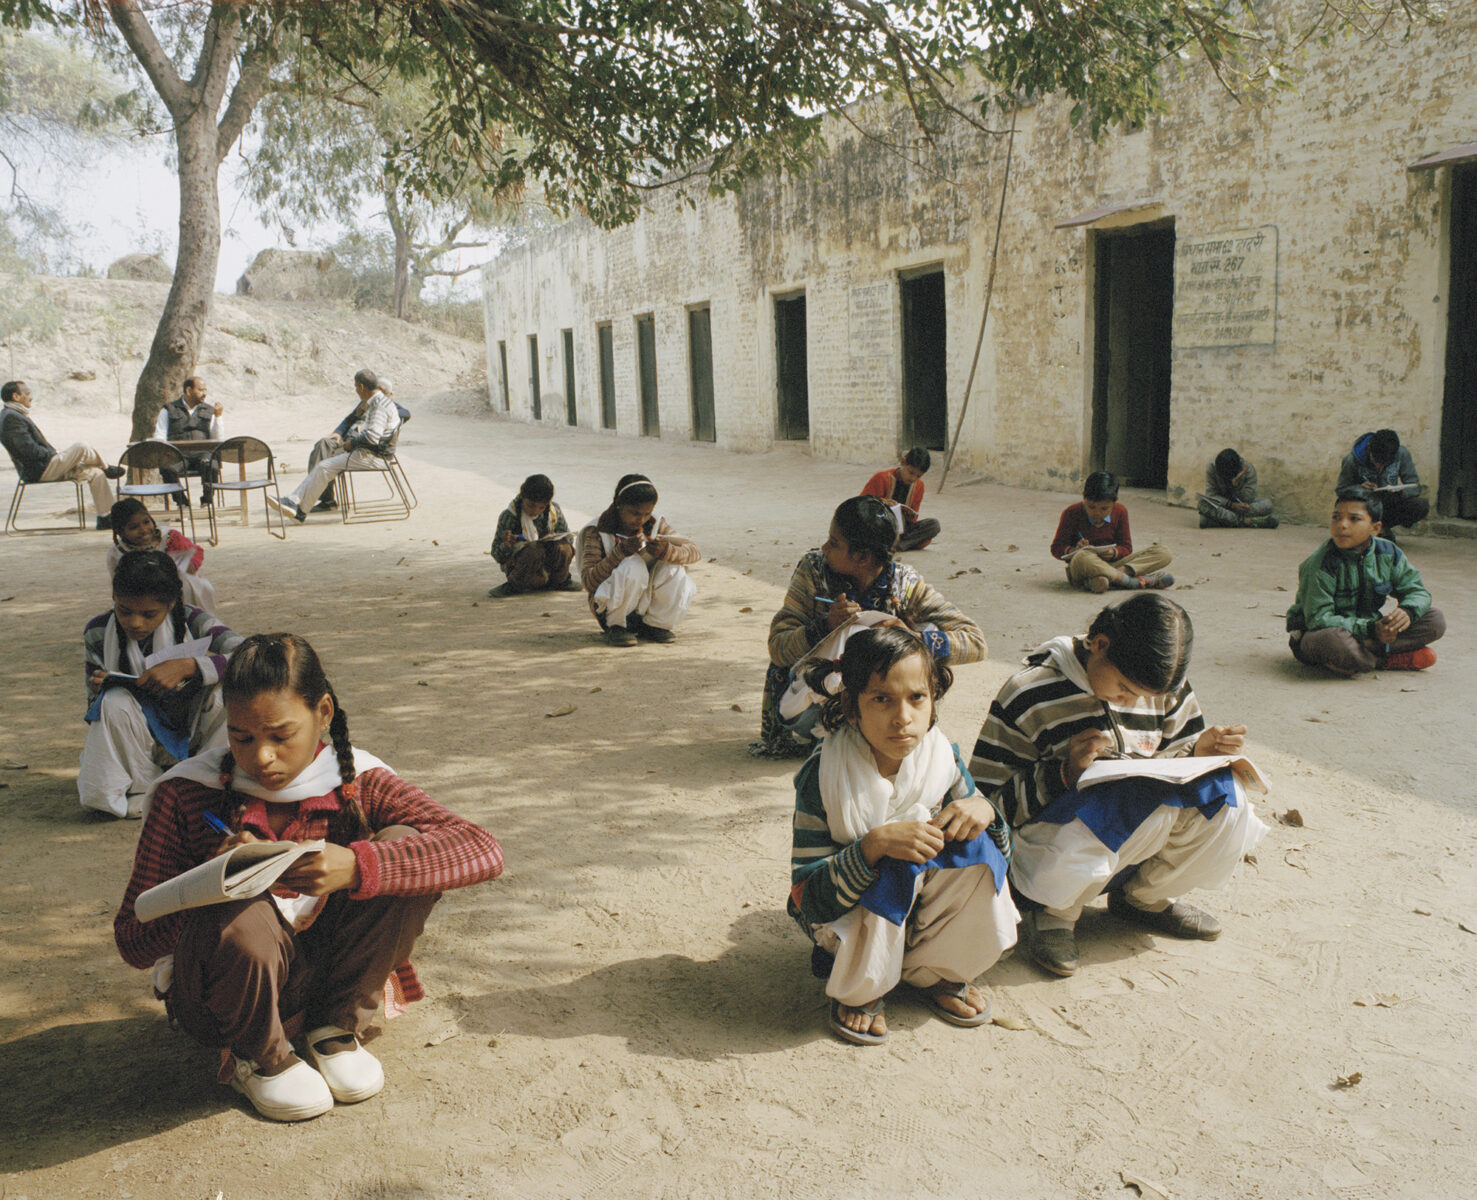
571,413
790,369
1133,299
533,384
925,359
651,425
1457,493
606,337
700,366
502,374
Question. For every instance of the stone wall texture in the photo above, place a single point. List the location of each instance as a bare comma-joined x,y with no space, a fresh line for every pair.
1360,290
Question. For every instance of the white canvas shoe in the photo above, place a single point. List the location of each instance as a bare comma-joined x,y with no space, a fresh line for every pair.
351,1075
296,1094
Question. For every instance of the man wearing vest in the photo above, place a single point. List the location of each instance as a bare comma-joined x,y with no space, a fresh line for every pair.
38,461
191,419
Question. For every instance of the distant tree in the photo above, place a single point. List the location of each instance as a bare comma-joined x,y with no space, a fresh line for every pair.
601,102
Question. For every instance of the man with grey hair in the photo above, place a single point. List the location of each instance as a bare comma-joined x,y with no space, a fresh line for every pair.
361,445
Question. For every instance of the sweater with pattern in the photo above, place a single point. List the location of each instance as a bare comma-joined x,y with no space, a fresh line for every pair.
1344,589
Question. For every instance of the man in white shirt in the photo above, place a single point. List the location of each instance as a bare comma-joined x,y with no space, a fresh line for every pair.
189,418
376,422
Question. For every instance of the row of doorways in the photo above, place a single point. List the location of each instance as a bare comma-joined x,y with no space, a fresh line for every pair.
700,366
925,415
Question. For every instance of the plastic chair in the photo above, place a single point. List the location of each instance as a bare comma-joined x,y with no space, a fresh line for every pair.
237,452
395,505
156,456
11,528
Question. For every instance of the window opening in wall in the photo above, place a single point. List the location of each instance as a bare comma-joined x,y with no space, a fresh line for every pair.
1456,496
533,384
792,380
651,425
571,413
1133,301
700,370
925,361
502,373
605,336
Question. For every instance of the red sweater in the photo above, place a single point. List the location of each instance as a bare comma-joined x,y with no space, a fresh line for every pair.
1074,526
447,852
882,483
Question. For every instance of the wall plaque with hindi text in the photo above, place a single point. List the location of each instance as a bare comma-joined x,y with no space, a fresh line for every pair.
1225,289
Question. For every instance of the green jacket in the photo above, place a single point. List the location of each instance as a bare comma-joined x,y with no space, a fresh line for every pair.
1344,590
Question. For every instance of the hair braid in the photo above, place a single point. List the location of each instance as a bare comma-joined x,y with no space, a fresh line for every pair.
233,806
343,749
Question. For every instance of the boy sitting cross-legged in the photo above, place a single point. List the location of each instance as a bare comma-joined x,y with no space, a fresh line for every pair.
1335,621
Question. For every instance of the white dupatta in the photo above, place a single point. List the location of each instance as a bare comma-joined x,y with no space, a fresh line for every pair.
858,799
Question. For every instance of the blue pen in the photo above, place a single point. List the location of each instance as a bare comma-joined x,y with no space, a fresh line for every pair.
215,822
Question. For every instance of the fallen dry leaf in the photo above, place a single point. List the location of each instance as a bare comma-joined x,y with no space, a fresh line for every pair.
1249,858
562,711
593,690
1465,928
1386,1001
444,1036
10,764
747,608
1291,817
1421,912
1008,1023
1154,1191
736,708
1279,588
434,542
1011,547
1291,863
1349,1080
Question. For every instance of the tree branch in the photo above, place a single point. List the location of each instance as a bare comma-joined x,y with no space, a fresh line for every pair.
139,35
251,85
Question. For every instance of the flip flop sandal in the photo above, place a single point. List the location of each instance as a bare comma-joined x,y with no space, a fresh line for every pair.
960,991
838,1027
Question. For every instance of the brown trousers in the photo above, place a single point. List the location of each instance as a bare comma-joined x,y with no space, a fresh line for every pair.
242,976
536,565
1339,650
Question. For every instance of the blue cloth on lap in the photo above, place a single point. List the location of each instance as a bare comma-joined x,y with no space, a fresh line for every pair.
177,743
890,895
1114,810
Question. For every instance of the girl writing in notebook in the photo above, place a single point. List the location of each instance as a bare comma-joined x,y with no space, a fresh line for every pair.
315,957
1119,692
152,663
898,865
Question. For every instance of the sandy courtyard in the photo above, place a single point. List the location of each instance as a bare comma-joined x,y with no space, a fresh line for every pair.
628,1011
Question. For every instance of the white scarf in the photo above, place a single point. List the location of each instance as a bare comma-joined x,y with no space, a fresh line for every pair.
318,778
134,661
857,798
608,540
530,530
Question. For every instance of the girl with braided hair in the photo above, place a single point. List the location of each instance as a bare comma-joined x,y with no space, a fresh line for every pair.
152,695
1119,692
333,939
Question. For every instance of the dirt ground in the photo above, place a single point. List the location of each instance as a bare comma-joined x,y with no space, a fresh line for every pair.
628,1011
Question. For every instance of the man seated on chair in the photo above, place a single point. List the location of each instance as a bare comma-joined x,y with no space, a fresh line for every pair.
334,443
38,461
188,418
364,442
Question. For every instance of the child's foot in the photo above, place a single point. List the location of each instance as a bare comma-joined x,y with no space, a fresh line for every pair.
502,591
1053,950
1179,920
351,1072
1411,660
1156,579
1098,584
569,585
619,635
865,1026
655,633
959,1003
295,1093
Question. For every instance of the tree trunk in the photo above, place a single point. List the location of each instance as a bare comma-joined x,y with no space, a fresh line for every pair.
181,330
404,234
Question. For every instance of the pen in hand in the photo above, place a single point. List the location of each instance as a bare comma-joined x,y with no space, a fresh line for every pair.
215,823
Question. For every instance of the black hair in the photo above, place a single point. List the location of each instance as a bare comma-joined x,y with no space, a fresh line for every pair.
868,526
634,490
1228,464
8,391
276,662
122,512
1373,505
871,652
151,574
1100,485
364,377
1384,445
1149,640
537,488
919,459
